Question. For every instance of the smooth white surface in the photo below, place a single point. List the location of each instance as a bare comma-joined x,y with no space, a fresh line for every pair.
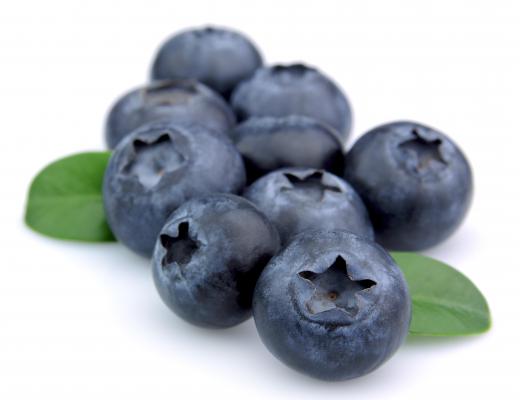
80,321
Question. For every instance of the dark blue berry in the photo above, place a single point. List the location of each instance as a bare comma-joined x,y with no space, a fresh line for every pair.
415,182
159,167
299,199
218,57
180,101
296,89
268,143
209,256
332,305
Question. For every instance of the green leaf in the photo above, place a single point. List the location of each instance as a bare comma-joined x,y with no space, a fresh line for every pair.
65,199
444,301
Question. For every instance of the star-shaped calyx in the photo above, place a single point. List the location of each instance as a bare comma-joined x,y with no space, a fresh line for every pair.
334,289
424,150
152,160
311,186
179,248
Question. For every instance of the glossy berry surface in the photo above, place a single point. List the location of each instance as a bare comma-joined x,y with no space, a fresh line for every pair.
297,89
183,101
209,256
220,58
300,199
159,167
268,143
332,305
416,183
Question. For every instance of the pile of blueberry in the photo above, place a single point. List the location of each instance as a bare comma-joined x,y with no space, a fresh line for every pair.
233,177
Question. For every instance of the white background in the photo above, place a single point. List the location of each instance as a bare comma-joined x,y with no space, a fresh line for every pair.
80,321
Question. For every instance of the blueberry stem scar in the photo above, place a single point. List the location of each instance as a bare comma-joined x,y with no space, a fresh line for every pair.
425,150
312,184
180,248
335,289
152,160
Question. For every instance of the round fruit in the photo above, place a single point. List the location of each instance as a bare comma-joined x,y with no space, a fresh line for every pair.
299,199
268,143
416,183
180,101
296,89
159,167
332,305
208,258
218,57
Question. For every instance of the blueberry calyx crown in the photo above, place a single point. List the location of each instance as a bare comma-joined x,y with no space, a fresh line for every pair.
290,75
334,288
294,69
153,159
423,153
311,185
179,248
208,31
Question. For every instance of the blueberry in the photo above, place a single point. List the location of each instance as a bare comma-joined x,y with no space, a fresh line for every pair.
415,182
295,89
208,258
298,199
218,57
183,101
268,143
156,169
332,305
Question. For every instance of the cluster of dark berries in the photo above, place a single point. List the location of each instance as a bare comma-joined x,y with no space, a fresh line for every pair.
299,249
